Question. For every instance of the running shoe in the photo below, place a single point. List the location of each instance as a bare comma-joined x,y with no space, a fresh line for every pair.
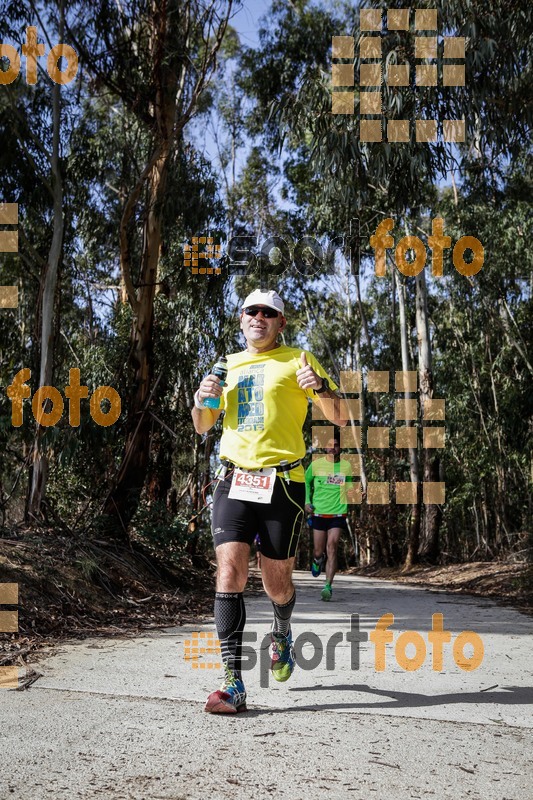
326,592
283,657
316,566
230,698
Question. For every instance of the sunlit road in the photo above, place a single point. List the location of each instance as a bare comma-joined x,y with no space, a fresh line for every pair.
123,718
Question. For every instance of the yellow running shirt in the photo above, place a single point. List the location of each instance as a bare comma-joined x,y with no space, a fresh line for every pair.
265,409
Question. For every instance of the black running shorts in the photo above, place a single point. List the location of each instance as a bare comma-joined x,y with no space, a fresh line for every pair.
278,523
327,523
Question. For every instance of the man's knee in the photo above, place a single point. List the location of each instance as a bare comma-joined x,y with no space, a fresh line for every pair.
231,579
280,593
331,547
277,579
232,569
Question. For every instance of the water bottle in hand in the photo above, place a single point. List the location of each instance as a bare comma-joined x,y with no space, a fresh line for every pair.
220,370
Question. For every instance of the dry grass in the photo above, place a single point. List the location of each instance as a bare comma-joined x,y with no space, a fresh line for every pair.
511,583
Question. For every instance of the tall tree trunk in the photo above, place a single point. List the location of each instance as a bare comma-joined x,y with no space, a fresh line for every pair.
200,482
171,24
429,549
39,468
123,499
414,527
365,548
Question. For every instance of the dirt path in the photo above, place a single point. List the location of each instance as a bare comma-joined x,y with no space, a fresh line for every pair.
123,718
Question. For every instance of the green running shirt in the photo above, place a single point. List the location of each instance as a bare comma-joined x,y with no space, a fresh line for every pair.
325,485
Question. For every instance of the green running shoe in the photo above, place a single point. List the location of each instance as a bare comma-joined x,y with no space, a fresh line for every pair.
282,655
317,565
326,592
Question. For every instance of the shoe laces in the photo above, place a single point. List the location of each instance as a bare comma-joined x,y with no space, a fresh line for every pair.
281,644
229,678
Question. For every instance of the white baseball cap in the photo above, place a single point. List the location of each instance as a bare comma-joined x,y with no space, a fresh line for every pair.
269,299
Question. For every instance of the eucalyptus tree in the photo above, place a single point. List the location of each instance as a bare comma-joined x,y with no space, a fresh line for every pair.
483,333
156,59
292,86
37,118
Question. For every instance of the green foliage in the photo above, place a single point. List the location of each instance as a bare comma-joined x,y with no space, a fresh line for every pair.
167,535
305,173
160,529
290,79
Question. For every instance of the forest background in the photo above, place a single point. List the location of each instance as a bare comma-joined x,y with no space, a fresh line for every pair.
175,128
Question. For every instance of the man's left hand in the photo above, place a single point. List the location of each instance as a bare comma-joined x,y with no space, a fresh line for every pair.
306,376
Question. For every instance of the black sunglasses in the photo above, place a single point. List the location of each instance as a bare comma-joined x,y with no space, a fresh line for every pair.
268,313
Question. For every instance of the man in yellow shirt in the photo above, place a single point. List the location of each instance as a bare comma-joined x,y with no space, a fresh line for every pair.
260,487
325,499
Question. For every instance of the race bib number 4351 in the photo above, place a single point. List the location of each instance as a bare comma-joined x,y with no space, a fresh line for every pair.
253,485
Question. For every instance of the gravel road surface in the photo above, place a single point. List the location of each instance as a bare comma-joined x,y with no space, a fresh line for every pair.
123,718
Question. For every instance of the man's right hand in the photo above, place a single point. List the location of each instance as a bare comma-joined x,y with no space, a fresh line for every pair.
309,508
204,418
211,386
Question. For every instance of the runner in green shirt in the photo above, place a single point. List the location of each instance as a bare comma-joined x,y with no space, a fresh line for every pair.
325,500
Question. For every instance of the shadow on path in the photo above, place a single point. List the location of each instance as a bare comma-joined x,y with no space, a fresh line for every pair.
511,695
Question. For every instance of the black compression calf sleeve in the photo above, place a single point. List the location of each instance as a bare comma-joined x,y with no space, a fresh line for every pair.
282,616
230,618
